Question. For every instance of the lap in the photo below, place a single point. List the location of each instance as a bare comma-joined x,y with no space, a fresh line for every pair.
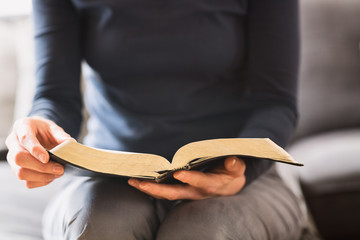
89,208
266,209
110,209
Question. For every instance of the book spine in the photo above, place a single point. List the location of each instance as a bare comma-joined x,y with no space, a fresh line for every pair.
167,176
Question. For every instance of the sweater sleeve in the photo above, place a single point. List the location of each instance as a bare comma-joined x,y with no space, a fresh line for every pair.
273,58
58,63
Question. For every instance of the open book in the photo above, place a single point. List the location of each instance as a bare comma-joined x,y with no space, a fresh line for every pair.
156,168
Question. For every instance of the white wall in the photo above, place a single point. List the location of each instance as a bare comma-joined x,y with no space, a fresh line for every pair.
9,8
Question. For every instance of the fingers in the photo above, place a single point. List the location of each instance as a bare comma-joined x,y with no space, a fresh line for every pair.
33,176
212,183
167,191
36,184
235,166
207,182
29,169
27,155
226,180
26,136
58,134
36,133
25,160
233,186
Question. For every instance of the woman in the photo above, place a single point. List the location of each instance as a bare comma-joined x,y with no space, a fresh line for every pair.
161,74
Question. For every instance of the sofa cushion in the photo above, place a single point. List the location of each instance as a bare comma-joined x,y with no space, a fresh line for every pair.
330,181
8,79
21,208
329,88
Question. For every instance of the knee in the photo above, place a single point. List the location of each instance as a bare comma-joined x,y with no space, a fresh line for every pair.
130,221
117,212
196,220
226,218
108,210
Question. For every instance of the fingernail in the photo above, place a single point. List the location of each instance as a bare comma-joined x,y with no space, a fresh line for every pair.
233,162
58,169
42,158
132,182
144,186
179,175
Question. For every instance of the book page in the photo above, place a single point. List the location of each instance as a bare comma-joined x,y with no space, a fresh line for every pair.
111,162
252,147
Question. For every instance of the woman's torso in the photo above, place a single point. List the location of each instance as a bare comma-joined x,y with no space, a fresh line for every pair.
162,73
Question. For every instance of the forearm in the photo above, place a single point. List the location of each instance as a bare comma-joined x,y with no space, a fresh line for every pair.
58,58
273,61
274,122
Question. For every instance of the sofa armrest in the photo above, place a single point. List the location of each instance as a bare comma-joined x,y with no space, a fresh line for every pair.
330,183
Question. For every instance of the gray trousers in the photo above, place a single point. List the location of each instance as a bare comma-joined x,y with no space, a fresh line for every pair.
103,209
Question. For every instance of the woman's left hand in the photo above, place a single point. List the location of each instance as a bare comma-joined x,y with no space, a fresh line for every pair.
226,179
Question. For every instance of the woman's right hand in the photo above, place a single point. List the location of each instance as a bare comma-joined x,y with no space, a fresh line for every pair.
27,156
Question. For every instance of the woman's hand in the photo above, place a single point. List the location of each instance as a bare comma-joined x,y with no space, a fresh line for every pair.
227,179
27,155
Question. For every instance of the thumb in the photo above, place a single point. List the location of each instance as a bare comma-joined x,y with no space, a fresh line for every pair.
27,138
235,166
59,135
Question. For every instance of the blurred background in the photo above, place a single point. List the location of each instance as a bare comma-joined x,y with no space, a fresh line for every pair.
16,60
327,139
